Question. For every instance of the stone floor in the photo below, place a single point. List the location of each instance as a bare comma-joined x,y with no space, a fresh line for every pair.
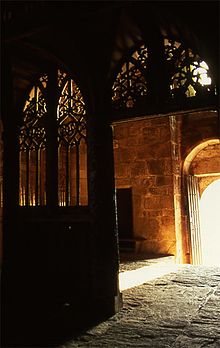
180,309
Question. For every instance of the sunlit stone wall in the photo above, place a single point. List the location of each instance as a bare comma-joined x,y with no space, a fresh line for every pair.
198,127
142,151
206,164
149,158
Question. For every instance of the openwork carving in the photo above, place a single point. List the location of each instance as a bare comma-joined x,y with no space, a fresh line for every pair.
61,77
43,80
32,134
71,115
32,140
188,73
71,140
130,83
185,72
72,145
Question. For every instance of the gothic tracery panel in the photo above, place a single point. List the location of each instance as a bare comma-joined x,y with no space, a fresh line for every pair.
130,83
185,75
189,75
72,145
32,142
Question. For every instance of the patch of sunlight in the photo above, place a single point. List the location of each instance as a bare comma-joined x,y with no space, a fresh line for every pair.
210,224
139,276
201,72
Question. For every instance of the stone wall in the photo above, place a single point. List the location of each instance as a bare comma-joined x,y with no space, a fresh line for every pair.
143,162
175,137
198,127
150,156
206,164
207,161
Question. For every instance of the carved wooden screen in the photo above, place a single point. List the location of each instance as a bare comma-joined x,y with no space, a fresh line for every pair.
71,144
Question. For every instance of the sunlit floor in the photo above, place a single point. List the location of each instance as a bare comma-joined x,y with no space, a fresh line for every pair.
138,272
177,309
129,279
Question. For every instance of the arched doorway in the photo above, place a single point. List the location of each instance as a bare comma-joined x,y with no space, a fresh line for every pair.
202,170
210,224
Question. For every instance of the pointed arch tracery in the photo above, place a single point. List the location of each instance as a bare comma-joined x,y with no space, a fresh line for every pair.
187,75
71,144
32,144
72,148
131,83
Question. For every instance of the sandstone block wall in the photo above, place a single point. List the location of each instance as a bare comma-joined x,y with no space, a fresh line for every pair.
149,158
143,162
206,164
198,127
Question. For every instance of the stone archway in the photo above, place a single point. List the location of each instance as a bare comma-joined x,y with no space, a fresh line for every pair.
201,168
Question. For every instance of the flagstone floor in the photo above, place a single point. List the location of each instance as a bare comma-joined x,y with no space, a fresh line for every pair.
176,306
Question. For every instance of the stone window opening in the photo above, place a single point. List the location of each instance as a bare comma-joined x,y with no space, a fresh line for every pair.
71,144
187,76
72,147
130,83
32,155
